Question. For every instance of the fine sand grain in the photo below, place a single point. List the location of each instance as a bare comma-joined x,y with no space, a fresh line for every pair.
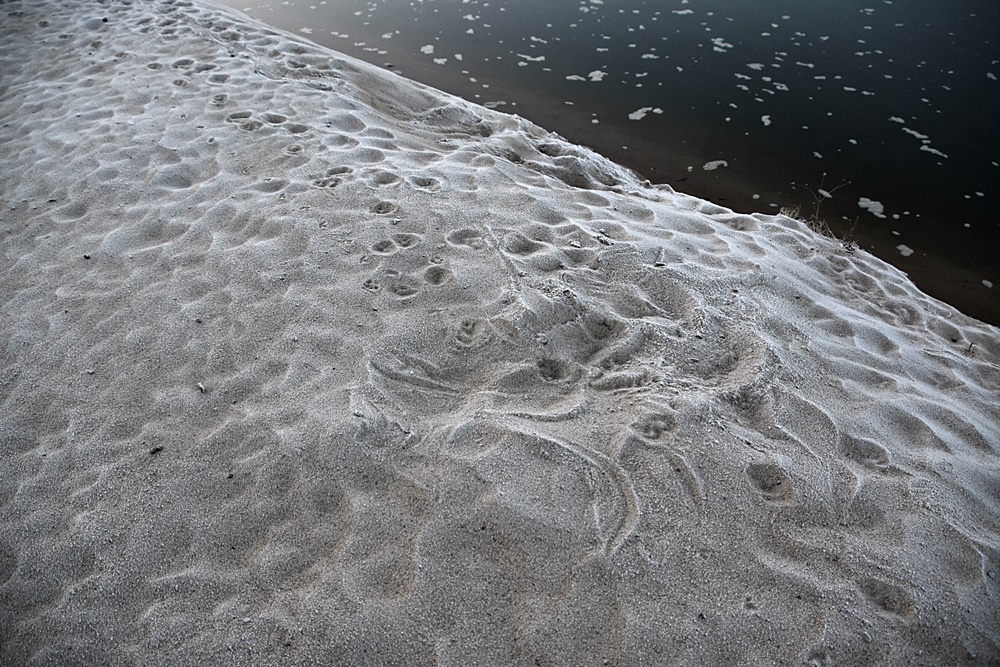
305,363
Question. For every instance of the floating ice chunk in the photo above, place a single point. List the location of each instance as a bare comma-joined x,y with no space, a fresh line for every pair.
575,77
988,284
992,76
458,57
539,40
440,61
766,120
874,207
714,164
904,250
934,151
683,11
306,31
897,119
597,75
915,133
429,49
536,59
756,66
649,56
641,113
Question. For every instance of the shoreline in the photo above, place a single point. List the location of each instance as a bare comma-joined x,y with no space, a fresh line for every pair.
306,363
945,274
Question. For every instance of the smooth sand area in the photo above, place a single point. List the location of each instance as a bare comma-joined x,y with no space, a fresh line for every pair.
305,363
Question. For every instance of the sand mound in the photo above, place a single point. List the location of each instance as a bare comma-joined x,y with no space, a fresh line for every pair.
304,363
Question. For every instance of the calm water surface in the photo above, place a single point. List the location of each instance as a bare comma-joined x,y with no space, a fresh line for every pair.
888,106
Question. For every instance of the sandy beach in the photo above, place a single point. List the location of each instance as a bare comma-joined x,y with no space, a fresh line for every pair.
304,363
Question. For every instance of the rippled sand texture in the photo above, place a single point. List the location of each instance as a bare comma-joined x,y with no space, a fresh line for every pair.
303,362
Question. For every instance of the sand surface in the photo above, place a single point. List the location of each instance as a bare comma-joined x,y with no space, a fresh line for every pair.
304,363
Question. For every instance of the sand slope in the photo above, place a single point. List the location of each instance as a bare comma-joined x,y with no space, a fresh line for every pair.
303,363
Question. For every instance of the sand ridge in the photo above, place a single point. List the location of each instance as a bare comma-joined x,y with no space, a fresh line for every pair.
304,363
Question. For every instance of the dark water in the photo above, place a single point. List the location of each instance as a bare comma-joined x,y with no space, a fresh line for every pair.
870,100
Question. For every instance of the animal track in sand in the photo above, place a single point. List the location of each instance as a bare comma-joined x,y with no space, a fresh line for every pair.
519,244
553,370
866,453
890,598
471,238
384,247
425,183
405,240
326,182
654,427
471,331
772,482
385,179
384,208
437,275
404,287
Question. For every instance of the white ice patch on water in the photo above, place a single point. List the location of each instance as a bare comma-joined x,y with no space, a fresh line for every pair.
988,284
639,114
440,61
934,151
575,77
874,207
683,11
897,119
597,75
536,59
905,251
429,49
766,120
714,164
756,66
